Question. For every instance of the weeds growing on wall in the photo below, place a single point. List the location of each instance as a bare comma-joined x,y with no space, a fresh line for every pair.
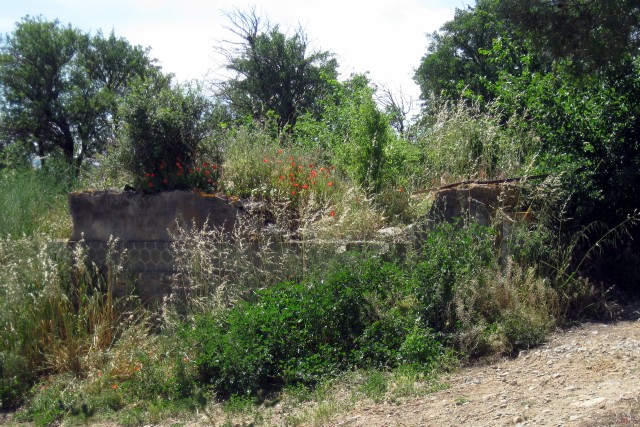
469,142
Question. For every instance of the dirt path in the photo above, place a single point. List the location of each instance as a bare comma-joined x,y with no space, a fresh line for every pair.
586,376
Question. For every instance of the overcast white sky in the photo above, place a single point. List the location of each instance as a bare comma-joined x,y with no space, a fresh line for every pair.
385,38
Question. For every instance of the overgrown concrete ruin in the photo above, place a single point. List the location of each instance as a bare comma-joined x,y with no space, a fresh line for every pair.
143,226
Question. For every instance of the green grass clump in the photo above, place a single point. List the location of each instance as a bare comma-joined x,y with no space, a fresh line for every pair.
52,314
34,201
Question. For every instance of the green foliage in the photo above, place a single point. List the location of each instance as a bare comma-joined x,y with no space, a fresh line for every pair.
588,128
256,164
375,386
523,333
561,76
592,34
470,141
53,311
452,256
300,333
59,87
273,72
456,65
355,133
34,200
293,333
163,126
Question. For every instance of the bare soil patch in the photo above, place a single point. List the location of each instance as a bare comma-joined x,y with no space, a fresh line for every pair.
586,376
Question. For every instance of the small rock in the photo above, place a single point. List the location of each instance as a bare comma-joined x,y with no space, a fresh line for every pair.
390,232
591,402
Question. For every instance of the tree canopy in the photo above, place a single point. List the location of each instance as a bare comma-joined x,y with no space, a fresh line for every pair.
591,33
273,73
60,87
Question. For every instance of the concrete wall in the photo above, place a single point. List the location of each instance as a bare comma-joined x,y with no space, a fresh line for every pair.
144,225
476,202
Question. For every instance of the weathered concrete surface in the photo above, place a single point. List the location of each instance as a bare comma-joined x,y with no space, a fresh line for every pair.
476,202
144,226
136,216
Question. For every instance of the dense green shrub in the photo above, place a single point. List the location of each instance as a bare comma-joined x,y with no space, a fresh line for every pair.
452,255
303,332
163,128
353,131
294,332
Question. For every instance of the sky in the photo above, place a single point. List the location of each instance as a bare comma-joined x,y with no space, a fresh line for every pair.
387,39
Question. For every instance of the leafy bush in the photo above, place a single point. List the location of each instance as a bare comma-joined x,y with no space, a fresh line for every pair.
451,256
353,131
163,128
300,333
292,333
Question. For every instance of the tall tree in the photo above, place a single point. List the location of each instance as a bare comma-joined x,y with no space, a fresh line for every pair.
59,86
591,33
273,72
469,53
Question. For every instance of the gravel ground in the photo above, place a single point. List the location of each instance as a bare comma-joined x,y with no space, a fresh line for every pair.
585,376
